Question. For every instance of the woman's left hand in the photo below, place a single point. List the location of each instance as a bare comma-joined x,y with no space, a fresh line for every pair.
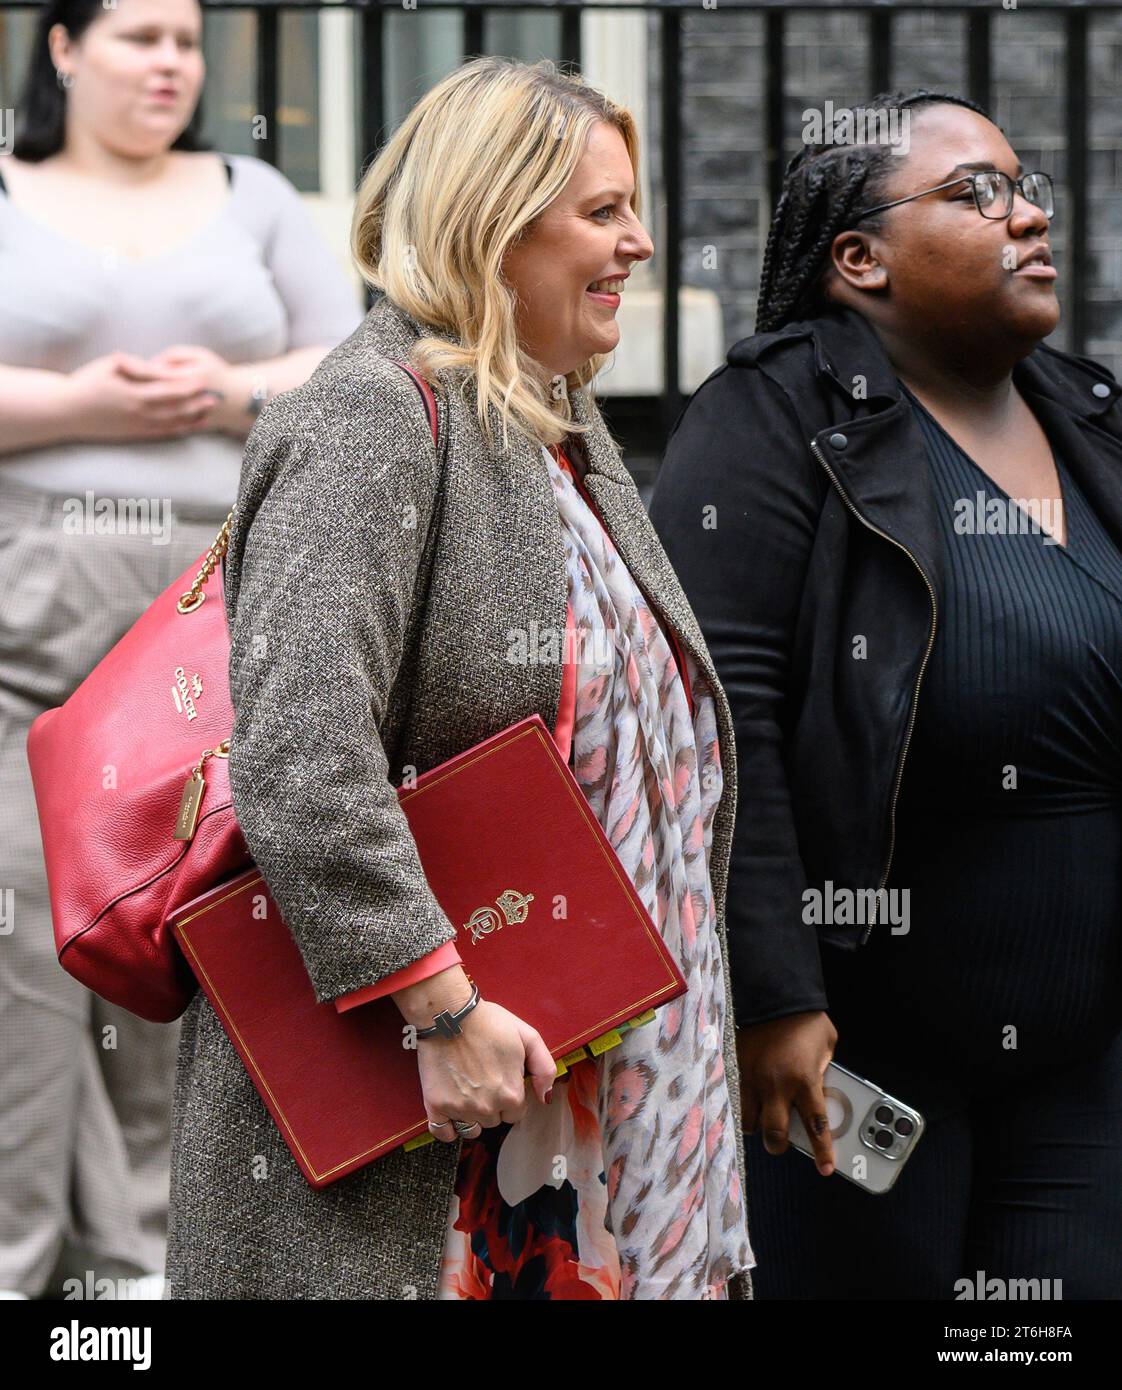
231,383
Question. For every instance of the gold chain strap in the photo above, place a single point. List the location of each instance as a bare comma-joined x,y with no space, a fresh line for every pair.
194,596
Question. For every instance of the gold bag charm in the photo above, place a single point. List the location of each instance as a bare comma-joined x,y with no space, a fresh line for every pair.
189,806
192,797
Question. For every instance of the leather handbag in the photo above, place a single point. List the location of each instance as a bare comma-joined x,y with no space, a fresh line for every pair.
133,791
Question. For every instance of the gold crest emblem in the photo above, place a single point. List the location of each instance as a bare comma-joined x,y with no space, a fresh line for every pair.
513,906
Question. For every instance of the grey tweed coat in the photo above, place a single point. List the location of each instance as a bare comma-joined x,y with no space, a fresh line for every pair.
364,643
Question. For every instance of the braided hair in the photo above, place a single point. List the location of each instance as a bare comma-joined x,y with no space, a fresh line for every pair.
823,187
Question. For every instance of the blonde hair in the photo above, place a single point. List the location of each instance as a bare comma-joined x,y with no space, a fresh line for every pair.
463,177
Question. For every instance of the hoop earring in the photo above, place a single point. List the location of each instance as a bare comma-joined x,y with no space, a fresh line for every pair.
65,80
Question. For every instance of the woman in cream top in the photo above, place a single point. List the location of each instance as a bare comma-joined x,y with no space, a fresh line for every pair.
151,293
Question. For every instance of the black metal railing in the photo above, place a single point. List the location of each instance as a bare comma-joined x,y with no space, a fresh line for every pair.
633,419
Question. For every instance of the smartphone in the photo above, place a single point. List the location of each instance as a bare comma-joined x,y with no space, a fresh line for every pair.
874,1134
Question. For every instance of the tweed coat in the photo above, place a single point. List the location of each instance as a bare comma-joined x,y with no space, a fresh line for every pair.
370,589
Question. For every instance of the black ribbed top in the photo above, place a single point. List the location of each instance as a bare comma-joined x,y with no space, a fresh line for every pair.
1012,965
1026,670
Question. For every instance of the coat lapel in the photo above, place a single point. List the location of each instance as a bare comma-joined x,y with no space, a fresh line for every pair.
521,504
1085,428
878,455
617,498
882,463
496,600
621,509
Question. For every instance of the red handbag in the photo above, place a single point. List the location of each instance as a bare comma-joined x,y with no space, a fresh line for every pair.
133,791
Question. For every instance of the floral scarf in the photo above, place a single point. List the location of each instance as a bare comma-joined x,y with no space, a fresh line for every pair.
652,776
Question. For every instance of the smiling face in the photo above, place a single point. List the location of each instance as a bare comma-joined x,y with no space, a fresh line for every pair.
937,266
138,71
568,268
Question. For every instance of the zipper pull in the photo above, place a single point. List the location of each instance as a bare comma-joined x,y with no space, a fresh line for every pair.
191,799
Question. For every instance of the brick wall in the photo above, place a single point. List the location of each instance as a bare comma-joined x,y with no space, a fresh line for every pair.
726,210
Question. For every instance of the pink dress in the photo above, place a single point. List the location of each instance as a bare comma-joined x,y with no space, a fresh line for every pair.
626,1185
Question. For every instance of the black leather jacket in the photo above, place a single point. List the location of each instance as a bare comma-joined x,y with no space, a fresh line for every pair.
796,505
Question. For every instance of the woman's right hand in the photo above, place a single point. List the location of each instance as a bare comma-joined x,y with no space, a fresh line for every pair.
480,1076
121,396
781,1064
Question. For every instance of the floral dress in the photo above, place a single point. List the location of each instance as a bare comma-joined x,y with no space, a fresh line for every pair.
626,1185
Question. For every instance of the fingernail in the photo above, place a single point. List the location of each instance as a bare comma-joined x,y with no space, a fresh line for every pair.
826,1169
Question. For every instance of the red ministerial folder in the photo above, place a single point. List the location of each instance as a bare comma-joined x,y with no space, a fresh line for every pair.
549,925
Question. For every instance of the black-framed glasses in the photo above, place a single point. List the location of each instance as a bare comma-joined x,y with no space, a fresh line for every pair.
993,193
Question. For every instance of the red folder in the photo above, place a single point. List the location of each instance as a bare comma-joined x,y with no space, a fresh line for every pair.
549,925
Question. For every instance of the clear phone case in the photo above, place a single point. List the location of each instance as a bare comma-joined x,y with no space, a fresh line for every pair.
874,1133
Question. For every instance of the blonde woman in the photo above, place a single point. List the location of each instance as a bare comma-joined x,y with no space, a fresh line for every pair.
376,591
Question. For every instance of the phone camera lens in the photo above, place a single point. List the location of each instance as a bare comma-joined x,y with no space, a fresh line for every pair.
904,1126
883,1139
883,1114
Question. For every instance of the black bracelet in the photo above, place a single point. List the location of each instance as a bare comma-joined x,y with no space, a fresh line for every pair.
447,1023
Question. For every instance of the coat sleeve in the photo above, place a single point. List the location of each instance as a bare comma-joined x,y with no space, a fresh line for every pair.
735,505
333,510
436,961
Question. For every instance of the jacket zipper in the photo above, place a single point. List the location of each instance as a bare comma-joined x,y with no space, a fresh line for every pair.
919,678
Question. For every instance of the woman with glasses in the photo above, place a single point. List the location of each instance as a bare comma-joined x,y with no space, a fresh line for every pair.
898,518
